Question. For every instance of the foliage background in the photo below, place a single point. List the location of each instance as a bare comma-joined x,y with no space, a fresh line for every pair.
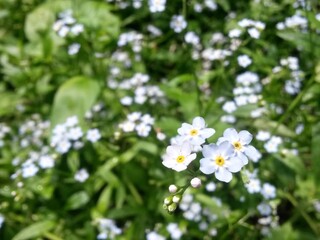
41,82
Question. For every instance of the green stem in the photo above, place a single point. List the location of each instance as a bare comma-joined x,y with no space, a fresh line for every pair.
303,213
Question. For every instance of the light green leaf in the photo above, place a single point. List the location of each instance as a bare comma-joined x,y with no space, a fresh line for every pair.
97,16
74,98
35,230
38,22
78,200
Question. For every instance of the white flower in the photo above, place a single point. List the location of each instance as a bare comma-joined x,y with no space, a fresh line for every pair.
254,186
161,136
74,48
82,175
178,23
143,129
240,142
220,159
46,162
244,60
263,135
154,236
74,133
264,209
126,101
197,132
268,191
174,230
273,144
1,220
234,33
71,121
229,107
147,119
157,5
211,187
29,170
254,33
63,146
127,126
192,38
93,135
178,157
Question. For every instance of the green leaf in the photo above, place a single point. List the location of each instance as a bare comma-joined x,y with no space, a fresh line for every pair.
78,200
74,98
97,16
35,230
303,41
105,199
38,22
285,232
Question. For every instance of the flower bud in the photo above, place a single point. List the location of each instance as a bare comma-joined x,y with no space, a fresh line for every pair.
195,182
167,200
176,198
172,207
173,188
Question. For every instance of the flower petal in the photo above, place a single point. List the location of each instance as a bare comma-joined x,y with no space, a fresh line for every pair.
179,167
207,132
185,149
208,151
190,158
221,140
223,175
197,140
206,165
198,122
245,137
243,158
231,134
185,129
235,164
226,149
252,153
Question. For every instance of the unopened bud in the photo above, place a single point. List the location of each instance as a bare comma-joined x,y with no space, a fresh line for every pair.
172,207
167,200
195,182
173,188
176,198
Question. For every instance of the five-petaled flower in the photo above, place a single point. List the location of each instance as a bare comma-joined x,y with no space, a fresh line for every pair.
197,132
178,157
220,160
240,142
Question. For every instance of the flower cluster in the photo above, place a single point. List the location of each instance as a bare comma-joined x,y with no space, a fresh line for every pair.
142,124
228,156
67,24
69,135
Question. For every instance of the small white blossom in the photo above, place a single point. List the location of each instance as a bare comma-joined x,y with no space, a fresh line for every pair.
178,157
244,61
197,132
157,5
220,159
178,23
240,142
268,191
82,175
93,135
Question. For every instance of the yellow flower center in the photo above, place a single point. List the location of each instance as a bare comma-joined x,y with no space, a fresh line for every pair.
194,132
237,145
180,159
220,161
